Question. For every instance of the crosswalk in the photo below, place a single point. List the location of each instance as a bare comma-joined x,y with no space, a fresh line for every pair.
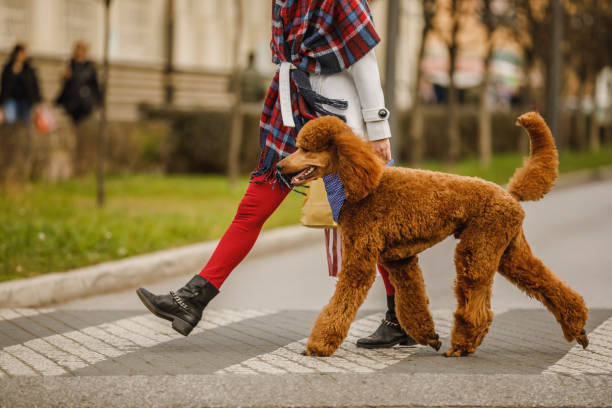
595,359
67,351
347,359
59,354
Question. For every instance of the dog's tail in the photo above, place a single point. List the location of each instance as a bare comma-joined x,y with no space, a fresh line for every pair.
540,169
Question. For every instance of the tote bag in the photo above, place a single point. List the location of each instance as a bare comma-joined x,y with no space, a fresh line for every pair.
316,212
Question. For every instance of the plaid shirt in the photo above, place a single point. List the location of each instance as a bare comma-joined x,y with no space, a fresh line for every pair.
319,37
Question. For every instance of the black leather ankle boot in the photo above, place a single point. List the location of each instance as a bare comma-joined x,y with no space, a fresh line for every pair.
183,307
389,333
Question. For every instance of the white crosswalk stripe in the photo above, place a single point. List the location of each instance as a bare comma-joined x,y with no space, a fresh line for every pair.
596,359
9,314
62,358
13,366
58,354
37,361
348,358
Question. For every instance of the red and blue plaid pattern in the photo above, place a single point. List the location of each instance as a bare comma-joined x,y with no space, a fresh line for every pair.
317,36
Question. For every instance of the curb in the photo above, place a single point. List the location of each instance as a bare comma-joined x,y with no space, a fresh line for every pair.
135,271
311,390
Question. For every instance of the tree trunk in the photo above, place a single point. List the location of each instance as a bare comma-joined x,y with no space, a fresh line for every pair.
529,100
416,130
581,125
100,168
594,144
454,141
484,114
555,70
169,51
233,158
393,18
454,138
416,117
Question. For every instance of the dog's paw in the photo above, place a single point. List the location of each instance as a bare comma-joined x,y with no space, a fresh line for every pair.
457,352
317,353
319,349
435,343
583,339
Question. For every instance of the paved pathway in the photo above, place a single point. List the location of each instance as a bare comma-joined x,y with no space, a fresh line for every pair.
108,351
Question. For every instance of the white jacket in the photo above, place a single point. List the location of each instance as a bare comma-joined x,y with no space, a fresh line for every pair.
360,86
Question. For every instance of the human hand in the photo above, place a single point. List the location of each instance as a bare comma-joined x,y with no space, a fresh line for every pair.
382,148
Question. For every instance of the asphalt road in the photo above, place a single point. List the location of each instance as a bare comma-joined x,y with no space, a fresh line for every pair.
109,351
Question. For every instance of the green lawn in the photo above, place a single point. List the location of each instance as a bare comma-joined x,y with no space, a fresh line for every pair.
47,227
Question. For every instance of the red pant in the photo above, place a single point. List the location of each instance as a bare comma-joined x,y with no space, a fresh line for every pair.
258,203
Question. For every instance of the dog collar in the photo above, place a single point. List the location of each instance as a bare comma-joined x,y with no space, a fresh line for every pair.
336,195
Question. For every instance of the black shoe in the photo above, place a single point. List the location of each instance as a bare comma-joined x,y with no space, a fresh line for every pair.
389,333
183,307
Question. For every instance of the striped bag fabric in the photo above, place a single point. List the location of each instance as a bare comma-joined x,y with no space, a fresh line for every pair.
333,250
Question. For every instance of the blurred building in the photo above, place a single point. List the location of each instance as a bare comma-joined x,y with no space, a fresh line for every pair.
201,45
201,54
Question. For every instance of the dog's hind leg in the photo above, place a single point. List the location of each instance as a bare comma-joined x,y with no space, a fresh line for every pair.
411,303
521,267
333,323
477,257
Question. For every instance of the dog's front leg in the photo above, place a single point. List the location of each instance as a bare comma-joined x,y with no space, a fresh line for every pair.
332,325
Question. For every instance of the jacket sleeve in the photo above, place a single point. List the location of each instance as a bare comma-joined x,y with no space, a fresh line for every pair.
367,82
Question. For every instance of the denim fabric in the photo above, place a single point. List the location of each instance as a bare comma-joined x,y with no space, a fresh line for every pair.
16,110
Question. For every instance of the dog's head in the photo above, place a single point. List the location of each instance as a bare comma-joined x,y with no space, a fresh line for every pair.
327,145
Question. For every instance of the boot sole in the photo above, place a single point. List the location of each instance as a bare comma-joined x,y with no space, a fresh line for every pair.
178,324
386,345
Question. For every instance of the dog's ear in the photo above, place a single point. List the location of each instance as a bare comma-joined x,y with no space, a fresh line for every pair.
358,167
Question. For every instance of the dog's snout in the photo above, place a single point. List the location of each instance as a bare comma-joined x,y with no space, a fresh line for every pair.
279,167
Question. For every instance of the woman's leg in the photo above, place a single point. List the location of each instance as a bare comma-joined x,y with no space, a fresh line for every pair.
23,112
184,307
258,203
385,276
389,333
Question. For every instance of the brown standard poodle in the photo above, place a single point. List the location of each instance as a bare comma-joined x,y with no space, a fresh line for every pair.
390,214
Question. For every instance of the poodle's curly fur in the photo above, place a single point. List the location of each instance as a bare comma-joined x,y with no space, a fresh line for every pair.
391,214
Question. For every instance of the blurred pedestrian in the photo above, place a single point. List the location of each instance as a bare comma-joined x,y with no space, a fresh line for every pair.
80,93
252,83
326,66
19,91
